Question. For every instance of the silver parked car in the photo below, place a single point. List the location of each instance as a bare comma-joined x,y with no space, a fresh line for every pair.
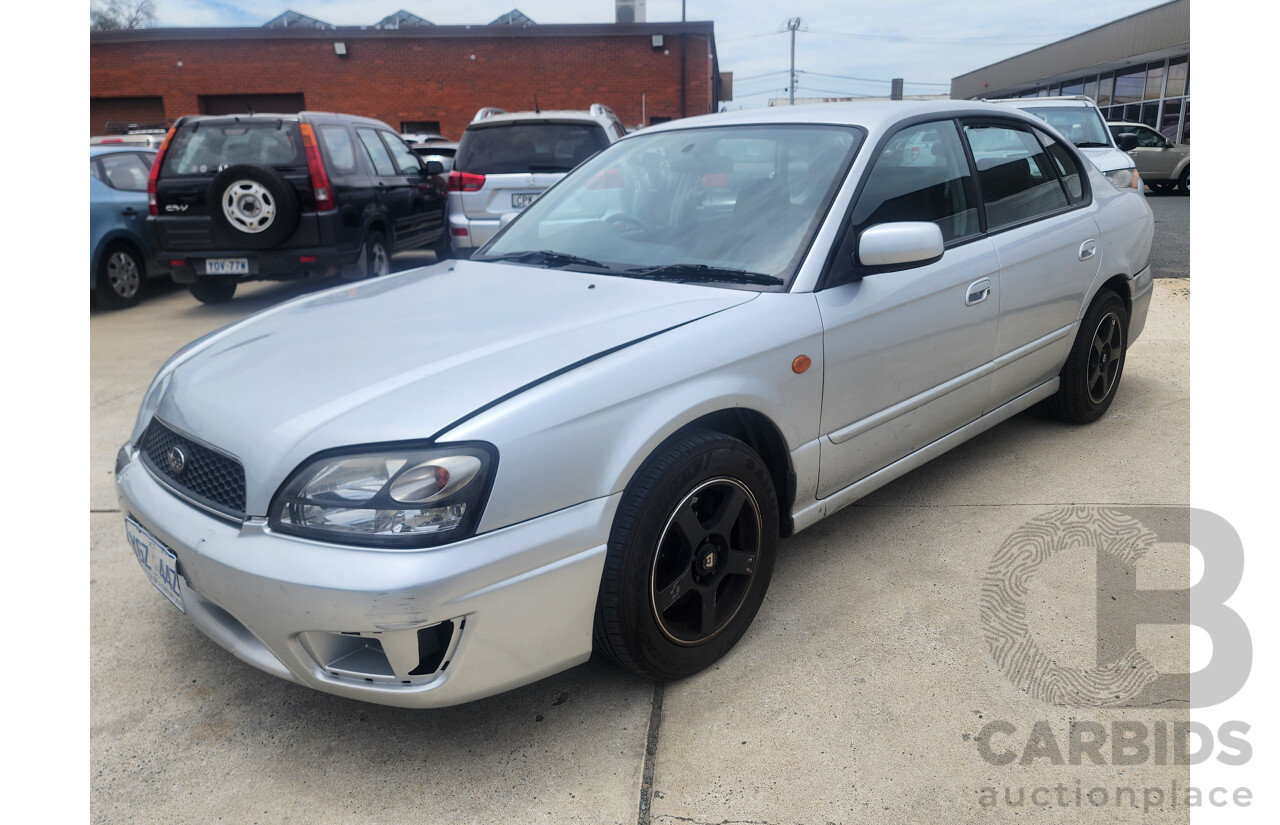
706,338
505,160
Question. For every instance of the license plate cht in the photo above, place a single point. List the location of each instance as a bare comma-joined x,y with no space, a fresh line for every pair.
523,200
227,266
157,561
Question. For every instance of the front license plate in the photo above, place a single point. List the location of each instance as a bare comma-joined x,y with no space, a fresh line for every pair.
227,266
158,562
521,201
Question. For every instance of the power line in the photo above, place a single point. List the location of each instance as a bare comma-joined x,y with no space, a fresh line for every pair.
936,41
871,79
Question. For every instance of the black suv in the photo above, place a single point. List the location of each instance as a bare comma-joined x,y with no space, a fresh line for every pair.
274,197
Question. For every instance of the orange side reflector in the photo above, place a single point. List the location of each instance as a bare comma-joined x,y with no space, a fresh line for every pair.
802,363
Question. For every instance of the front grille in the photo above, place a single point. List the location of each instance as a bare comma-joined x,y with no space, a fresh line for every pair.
202,475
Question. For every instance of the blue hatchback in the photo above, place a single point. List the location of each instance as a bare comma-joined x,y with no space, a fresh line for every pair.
121,252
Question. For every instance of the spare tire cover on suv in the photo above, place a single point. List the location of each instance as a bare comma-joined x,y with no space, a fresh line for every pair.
253,206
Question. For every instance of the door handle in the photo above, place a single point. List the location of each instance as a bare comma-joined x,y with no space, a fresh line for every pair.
1088,249
977,292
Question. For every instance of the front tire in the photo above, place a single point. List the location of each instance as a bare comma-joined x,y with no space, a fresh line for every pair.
119,280
1091,376
214,289
689,559
1184,181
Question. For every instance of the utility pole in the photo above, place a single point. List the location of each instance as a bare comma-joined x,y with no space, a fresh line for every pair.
682,10
793,24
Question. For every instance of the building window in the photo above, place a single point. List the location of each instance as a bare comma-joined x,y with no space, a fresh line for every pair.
1074,87
1170,118
416,127
1104,89
1155,81
1128,88
1177,83
1091,88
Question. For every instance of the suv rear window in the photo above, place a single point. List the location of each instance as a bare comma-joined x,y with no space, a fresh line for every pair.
1082,125
528,147
203,148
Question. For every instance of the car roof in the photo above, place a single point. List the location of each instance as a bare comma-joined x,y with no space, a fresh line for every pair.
1063,100
115,148
292,117
872,115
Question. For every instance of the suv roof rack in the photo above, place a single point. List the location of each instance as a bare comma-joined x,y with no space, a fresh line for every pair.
488,112
120,127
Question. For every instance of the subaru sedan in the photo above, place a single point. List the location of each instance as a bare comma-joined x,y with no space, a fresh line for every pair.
452,481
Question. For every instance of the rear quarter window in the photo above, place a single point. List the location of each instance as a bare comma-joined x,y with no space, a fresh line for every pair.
508,148
339,146
204,148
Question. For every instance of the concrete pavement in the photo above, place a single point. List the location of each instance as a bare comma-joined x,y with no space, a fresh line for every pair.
860,694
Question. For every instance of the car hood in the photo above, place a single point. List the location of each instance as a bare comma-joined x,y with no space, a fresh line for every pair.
1107,158
404,357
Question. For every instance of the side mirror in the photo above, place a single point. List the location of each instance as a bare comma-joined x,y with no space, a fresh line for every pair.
433,167
1127,141
892,246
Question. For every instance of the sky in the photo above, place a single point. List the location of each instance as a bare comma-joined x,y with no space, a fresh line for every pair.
841,49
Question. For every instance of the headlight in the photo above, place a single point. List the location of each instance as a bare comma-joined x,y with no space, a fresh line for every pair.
1125,178
388,497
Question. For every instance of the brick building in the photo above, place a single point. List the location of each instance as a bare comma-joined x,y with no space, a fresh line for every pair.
414,78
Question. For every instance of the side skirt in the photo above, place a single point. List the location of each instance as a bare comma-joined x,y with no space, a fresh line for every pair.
815,511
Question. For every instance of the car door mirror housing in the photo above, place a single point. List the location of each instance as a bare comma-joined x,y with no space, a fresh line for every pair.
1127,141
893,246
433,167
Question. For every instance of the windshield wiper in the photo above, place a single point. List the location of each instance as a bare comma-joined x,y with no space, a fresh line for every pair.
546,257
1092,144
702,273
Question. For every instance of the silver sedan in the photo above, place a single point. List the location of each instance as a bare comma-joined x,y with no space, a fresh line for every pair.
440,484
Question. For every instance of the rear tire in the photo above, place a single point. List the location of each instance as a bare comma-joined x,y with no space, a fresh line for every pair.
689,559
214,289
1091,376
377,256
120,276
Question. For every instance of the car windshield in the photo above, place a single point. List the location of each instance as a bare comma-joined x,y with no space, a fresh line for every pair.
1079,124
202,147
734,206
540,146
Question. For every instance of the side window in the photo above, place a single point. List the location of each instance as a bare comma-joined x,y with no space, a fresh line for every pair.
126,172
921,175
377,152
1014,172
406,161
1150,138
339,146
1066,165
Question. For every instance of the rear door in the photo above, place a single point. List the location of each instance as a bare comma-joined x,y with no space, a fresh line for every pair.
424,218
1035,196
199,151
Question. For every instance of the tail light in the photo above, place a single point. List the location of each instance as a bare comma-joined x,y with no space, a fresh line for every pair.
152,206
319,178
465,182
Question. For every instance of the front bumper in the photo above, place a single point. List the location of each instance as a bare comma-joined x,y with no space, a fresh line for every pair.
1141,286
509,607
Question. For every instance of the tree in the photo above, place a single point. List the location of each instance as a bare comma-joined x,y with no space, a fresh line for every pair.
113,15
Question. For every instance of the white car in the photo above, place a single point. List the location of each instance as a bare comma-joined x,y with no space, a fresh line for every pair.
505,160
1077,118
447,482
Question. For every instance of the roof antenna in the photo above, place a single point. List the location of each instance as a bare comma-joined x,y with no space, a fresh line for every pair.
536,109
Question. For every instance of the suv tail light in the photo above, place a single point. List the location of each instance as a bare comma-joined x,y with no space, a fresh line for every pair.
465,182
153,207
319,178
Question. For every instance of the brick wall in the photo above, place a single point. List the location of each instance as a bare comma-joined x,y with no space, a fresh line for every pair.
398,78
